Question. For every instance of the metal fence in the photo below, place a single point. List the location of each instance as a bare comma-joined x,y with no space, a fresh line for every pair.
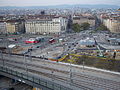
39,81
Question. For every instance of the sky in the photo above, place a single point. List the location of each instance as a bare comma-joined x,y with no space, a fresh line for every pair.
55,2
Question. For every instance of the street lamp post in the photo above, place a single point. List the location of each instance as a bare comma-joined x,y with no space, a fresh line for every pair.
30,55
83,62
71,81
83,65
30,50
9,50
52,75
25,63
44,59
2,57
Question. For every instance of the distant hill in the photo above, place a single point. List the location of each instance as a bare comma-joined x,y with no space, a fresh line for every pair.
61,6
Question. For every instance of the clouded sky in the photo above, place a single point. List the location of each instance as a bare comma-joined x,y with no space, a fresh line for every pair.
54,2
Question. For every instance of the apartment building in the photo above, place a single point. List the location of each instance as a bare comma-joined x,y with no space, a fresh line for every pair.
3,27
112,23
15,26
83,19
46,25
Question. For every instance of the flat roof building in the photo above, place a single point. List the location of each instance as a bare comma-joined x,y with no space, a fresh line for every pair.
46,25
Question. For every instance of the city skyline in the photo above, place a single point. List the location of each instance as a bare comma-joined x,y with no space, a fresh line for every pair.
55,2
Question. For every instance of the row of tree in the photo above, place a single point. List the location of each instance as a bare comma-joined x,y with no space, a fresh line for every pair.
77,28
102,27
84,26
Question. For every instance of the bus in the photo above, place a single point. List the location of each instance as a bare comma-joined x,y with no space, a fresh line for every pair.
31,40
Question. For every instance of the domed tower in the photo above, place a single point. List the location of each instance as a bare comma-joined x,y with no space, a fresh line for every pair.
43,12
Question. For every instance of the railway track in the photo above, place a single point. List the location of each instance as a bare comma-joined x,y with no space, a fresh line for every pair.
93,81
101,81
49,75
77,83
46,60
38,60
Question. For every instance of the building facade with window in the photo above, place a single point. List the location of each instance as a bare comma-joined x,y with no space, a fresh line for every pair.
49,25
3,27
15,26
112,24
82,19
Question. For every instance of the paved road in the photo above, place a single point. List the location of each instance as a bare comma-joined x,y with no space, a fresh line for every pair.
6,84
103,42
84,78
